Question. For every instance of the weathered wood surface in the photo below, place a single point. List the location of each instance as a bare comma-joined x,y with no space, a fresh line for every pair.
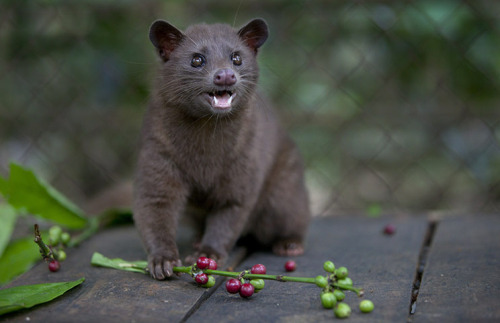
461,281
109,295
384,265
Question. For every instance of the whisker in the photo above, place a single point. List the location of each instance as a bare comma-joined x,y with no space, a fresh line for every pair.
237,12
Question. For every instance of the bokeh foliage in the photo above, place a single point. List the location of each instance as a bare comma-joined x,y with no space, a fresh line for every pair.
394,104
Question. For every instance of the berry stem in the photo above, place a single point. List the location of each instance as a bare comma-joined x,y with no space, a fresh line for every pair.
358,291
45,250
280,278
252,276
238,275
185,270
92,228
94,224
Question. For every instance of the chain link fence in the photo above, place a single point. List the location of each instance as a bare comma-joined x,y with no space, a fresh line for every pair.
394,104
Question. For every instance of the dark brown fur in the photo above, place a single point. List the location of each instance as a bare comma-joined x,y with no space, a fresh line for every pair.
236,164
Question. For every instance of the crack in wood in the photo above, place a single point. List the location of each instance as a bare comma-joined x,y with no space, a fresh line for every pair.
205,296
236,258
422,260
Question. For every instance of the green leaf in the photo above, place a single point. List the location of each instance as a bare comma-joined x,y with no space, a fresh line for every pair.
16,298
8,217
3,184
24,191
17,258
117,263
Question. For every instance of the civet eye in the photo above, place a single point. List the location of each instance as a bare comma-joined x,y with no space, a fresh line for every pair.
236,58
198,60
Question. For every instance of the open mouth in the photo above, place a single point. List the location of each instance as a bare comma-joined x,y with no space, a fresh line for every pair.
221,99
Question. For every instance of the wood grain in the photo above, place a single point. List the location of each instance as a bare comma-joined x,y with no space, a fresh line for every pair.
461,281
383,265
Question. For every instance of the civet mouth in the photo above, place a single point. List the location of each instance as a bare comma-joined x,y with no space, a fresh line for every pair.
221,99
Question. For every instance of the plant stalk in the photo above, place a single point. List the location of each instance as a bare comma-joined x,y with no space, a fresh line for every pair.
45,250
259,276
280,278
87,233
193,270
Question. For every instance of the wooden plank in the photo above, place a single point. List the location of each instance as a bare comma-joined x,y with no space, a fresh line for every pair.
383,265
109,295
461,280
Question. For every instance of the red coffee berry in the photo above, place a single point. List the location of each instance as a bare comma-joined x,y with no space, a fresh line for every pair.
212,264
233,286
390,229
258,269
54,266
290,265
201,279
246,290
203,262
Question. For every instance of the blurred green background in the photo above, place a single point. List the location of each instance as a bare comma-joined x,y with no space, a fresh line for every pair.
395,105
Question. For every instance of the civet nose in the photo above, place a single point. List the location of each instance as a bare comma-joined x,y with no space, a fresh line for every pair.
224,77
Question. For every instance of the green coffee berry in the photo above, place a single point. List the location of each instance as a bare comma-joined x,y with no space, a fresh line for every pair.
65,238
321,281
345,281
210,282
339,295
341,272
342,310
328,300
366,306
55,234
61,255
258,284
329,267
